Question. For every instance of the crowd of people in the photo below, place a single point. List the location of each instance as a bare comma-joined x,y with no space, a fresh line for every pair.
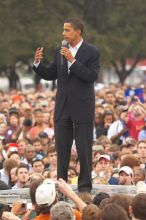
28,157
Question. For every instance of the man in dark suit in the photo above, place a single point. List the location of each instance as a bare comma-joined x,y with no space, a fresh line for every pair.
74,109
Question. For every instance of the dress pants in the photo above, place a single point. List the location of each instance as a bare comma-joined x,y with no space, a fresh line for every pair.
65,131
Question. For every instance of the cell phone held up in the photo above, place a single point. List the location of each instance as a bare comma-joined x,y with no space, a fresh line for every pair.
134,99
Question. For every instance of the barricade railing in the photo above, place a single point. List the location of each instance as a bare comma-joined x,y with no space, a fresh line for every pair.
10,196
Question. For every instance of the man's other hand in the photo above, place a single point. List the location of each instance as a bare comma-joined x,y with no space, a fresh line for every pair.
38,55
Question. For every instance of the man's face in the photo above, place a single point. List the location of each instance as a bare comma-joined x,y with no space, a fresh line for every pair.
39,117
53,175
124,116
108,119
3,128
52,158
21,148
37,146
23,175
110,98
125,179
104,165
14,120
13,174
30,154
69,33
15,157
141,149
138,176
38,167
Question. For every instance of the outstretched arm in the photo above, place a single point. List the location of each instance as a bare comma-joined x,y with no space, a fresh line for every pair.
44,71
68,191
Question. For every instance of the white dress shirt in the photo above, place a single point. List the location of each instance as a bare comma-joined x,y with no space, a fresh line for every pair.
74,51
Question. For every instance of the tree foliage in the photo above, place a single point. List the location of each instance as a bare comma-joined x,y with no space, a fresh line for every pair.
120,26
26,25
117,27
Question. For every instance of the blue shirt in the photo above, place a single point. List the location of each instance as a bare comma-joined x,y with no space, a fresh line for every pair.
142,135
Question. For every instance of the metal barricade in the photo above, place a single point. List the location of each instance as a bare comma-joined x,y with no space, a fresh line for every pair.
10,196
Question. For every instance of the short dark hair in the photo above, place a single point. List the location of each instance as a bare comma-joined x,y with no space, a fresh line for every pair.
99,197
36,160
113,211
9,164
139,206
22,165
130,161
13,152
38,110
76,23
36,139
14,111
43,134
122,200
52,149
91,211
27,122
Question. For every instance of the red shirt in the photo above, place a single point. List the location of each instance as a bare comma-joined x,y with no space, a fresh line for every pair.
134,127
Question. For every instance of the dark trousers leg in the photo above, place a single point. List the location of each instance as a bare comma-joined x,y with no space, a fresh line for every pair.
83,140
64,140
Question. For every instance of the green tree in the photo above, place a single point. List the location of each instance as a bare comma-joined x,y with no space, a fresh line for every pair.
120,31
117,27
25,25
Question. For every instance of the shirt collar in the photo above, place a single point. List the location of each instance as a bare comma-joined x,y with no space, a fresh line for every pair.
77,46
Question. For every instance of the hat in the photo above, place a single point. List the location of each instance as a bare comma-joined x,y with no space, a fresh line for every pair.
104,156
50,132
97,147
44,103
141,187
127,170
12,147
13,110
46,193
130,141
43,134
122,108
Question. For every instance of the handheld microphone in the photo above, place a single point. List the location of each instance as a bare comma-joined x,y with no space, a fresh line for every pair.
64,44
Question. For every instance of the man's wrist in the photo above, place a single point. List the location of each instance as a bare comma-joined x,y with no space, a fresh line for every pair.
36,64
74,60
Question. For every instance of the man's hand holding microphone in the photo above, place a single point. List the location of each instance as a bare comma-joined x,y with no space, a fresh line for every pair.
67,54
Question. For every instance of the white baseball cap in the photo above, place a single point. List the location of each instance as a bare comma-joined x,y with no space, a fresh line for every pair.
46,193
127,170
104,156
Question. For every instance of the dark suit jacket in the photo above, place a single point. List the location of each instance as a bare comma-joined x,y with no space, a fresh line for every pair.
77,86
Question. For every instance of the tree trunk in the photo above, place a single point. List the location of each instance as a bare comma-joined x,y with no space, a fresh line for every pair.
121,71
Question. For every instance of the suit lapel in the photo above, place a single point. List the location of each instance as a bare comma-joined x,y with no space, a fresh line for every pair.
81,51
65,66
